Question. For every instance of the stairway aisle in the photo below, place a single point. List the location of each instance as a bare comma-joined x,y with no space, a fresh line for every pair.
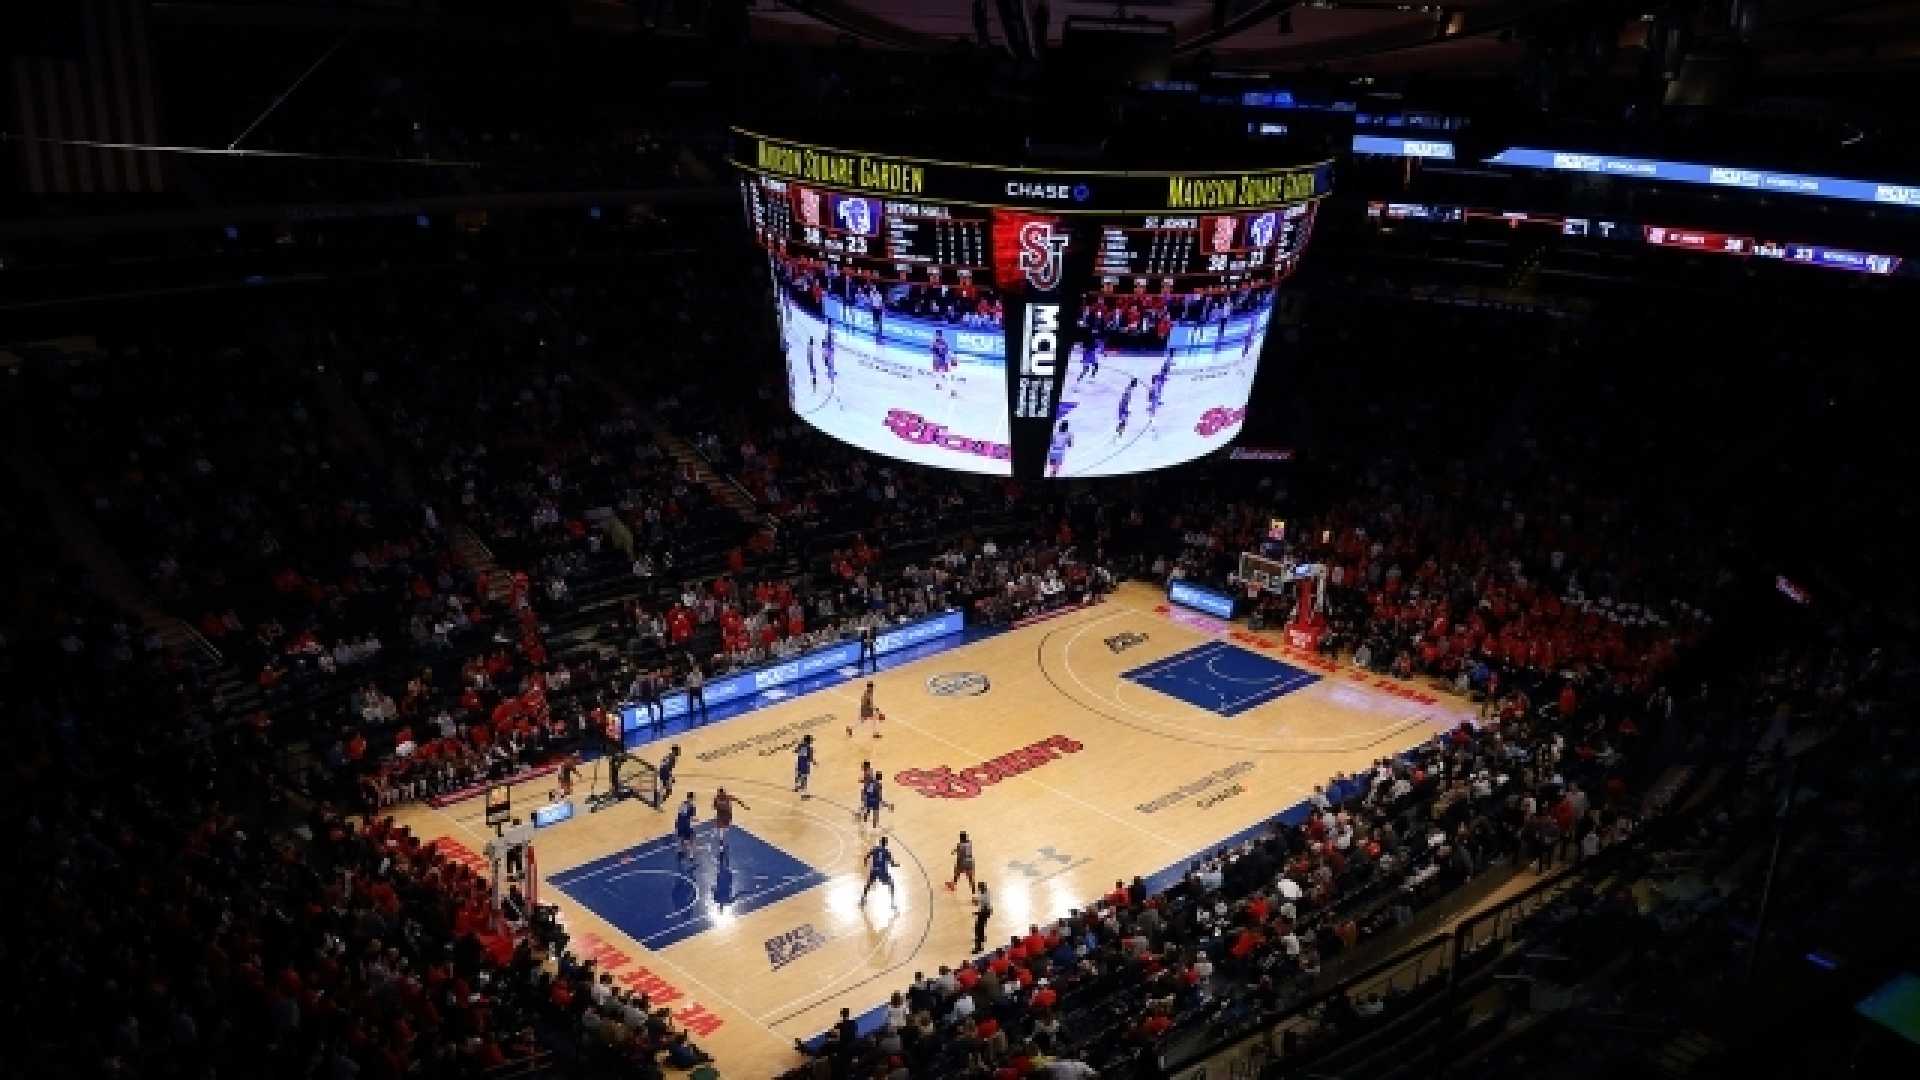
729,494
473,553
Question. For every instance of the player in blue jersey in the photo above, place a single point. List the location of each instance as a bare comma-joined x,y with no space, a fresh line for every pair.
683,826
871,800
1126,407
866,777
1089,360
803,765
826,353
880,864
813,372
665,780
1155,389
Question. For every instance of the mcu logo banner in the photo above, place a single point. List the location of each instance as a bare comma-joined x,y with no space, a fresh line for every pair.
1042,263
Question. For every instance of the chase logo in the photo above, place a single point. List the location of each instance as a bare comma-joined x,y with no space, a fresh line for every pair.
1734,177
1027,189
959,684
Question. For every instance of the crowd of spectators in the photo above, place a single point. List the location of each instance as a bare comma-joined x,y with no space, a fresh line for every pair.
390,509
1252,929
267,940
224,485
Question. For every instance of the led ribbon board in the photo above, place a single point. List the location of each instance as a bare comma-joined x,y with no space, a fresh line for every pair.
1724,176
1038,188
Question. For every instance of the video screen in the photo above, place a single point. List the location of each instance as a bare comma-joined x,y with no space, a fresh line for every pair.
1168,347
1157,379
889,324
896,334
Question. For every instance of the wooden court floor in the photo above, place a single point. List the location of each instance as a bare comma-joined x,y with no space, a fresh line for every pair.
1098,778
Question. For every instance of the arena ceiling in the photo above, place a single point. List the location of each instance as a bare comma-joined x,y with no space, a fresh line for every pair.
1458,36
1245,33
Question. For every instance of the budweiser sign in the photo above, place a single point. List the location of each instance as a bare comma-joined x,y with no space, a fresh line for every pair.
945,783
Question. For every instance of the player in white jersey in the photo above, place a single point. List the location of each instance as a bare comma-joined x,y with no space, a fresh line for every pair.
1057,452
869,713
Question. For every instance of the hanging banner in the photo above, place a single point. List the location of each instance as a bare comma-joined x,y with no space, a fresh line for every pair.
1044,263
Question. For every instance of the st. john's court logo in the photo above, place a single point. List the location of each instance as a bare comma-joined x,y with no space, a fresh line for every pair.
959,684
1120,643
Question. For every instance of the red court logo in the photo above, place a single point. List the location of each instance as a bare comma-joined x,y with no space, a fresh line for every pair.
917,429
944,783
1215,420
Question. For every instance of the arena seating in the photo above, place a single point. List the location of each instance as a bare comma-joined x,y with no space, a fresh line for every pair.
434,523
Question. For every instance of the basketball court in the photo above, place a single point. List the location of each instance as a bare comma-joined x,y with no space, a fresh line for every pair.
1119,740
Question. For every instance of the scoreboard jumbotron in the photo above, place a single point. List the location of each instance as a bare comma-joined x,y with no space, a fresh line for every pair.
1022,321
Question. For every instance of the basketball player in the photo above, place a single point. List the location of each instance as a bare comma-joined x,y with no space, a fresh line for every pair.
667,765
880,863
866,777
942,364
1089,360
723,804
868,713
1057,452
963,866
871,800
569,769
803,765
1126,408
683,826
869,652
